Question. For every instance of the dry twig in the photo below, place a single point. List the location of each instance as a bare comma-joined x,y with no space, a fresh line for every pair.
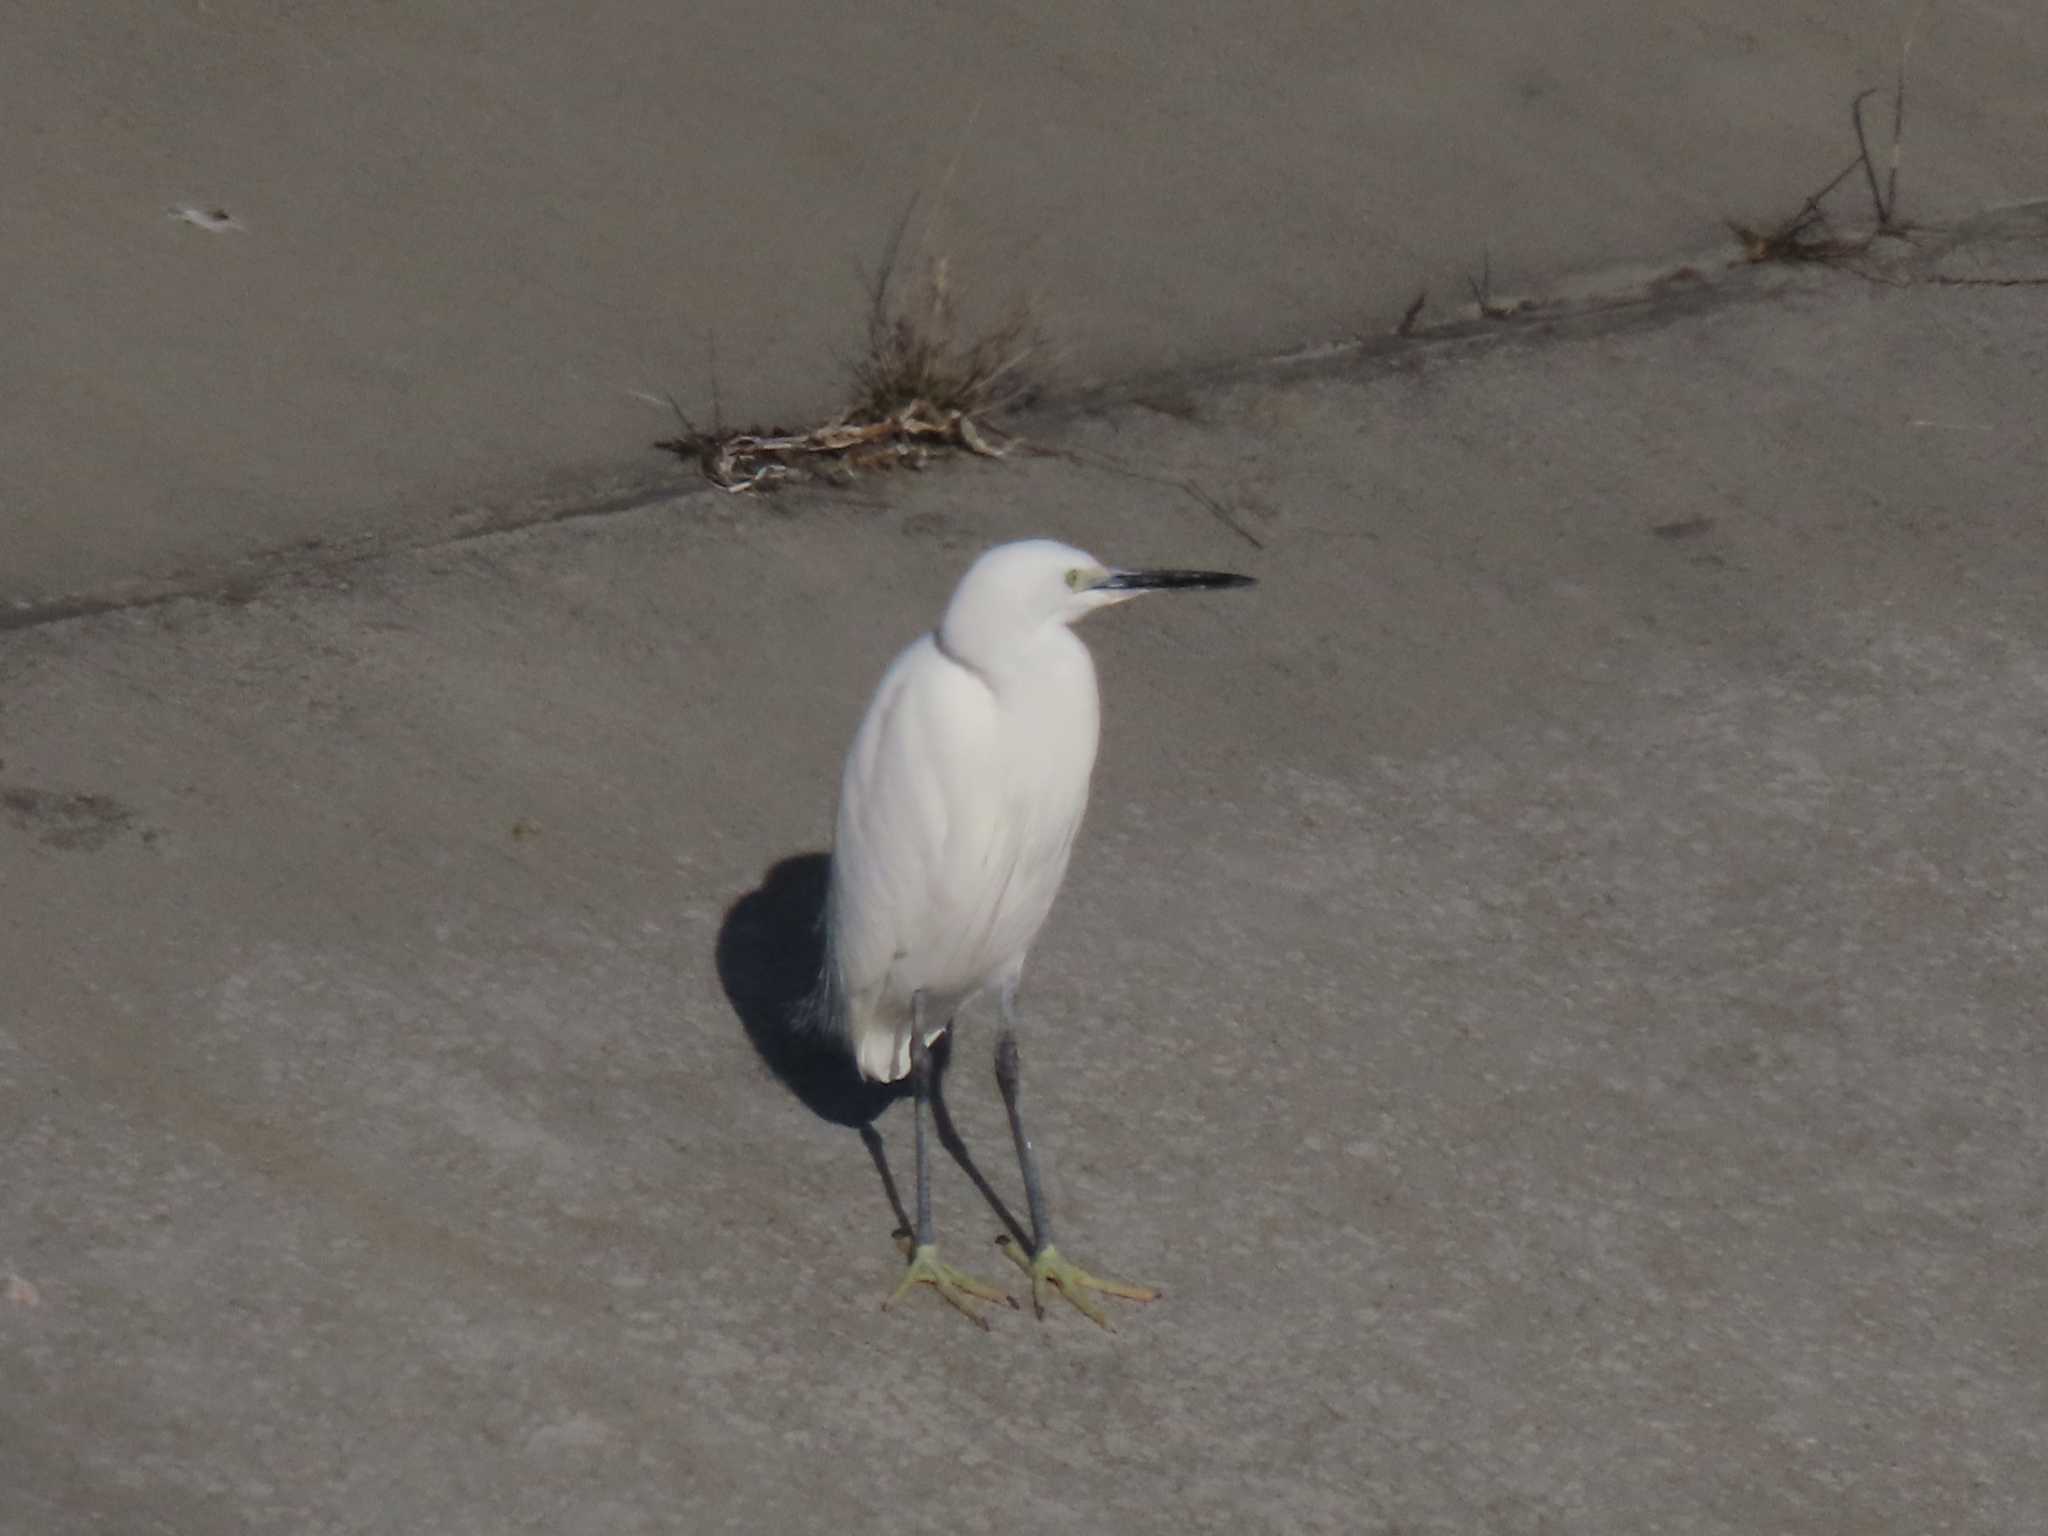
1481,287
1809,235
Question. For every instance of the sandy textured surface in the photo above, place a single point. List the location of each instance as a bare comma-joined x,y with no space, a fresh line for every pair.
1551,985
468,239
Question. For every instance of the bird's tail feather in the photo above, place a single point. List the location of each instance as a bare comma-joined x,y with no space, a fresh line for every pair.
825,1010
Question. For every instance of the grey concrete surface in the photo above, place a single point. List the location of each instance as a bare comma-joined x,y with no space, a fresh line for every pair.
469,238
1550,986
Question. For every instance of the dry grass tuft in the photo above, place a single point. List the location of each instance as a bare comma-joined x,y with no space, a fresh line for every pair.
917,355
1809,234
922,386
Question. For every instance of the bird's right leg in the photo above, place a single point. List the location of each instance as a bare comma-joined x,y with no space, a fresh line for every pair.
1048,1268
926,1268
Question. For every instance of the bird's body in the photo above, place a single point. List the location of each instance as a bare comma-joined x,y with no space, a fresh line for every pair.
957,812
958,806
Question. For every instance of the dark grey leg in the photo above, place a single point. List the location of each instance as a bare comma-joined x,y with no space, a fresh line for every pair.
926,1268
1048,1270
1027,1155
920,1109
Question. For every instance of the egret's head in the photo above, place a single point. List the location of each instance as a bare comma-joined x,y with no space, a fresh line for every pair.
1014,590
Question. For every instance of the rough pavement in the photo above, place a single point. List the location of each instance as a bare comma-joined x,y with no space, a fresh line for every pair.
474,248
1550,984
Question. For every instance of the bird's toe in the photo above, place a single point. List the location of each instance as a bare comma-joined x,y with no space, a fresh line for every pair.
1051,1271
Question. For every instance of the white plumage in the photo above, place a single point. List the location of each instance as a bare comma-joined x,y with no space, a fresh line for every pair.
958,807
960,799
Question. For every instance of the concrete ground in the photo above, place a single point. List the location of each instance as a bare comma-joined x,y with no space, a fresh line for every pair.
469,249
1550,985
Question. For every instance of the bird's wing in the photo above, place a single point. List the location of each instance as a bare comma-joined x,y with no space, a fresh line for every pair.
905,805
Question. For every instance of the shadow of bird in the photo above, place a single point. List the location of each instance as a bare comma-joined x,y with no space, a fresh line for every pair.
771,950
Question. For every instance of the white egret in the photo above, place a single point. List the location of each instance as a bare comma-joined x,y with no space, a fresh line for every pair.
958,807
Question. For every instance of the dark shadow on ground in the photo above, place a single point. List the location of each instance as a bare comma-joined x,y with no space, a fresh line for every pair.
956,1147
770,948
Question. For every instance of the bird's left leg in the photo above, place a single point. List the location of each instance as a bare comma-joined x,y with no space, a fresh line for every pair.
1047,1267
926,1268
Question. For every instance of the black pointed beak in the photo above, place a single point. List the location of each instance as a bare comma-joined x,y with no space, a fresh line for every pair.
1173,581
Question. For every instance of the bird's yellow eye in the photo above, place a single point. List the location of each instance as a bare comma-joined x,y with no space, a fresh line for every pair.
1074,579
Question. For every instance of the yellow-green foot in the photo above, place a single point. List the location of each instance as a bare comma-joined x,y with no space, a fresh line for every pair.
1049,1271
955,1285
